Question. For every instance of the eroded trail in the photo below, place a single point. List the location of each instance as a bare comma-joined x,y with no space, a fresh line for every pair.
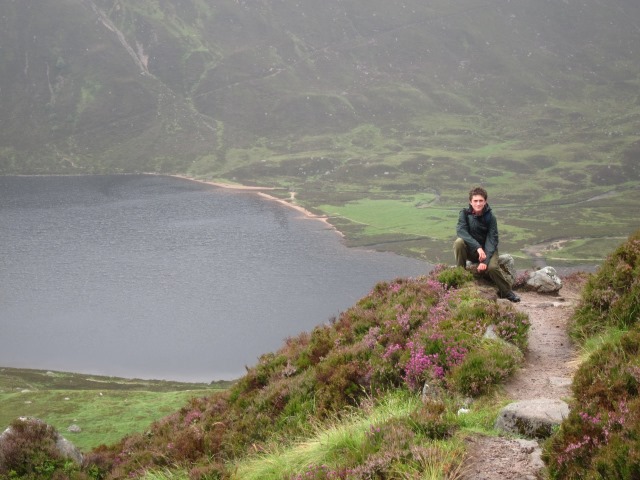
551,357
549,366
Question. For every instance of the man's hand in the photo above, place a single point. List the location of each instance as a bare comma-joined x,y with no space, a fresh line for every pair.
481,258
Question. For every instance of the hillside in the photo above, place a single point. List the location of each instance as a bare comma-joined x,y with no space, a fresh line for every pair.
377,106
406,384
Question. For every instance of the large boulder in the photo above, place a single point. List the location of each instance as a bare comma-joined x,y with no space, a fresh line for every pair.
63,447
535,418
545,280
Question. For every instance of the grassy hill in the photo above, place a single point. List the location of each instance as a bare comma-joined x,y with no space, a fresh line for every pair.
377,393
105,408
356,106
361,375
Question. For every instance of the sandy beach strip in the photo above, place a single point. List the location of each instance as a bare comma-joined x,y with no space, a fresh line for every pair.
260,191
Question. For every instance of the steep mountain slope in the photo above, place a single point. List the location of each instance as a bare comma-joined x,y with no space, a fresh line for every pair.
337,100
83,77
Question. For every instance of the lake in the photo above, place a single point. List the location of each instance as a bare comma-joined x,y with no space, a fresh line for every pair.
158,277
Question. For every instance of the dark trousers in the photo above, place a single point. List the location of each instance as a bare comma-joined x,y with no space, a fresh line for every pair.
463,253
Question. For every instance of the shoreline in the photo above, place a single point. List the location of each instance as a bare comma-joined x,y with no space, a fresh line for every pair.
261,192
530,250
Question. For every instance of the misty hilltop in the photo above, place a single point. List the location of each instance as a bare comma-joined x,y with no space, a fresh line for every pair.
379,95
123,85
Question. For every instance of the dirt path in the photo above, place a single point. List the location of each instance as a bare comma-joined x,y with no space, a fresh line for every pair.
549,366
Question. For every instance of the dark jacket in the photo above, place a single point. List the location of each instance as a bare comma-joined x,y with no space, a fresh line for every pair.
479,231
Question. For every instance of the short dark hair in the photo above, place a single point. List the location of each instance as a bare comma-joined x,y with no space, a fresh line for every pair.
478,191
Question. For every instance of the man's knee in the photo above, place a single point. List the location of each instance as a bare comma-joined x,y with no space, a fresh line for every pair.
459,244
460,252
492,267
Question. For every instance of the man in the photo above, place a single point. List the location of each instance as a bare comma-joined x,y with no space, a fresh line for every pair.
477,241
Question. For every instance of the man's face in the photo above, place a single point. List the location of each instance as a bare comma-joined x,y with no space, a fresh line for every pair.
477,203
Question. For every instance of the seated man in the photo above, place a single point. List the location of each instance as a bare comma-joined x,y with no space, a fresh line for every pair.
477,241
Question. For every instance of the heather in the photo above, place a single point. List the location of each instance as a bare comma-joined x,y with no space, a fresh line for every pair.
601,436
29,452
373,393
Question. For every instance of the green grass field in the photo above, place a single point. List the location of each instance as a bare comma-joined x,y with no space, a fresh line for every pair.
105,408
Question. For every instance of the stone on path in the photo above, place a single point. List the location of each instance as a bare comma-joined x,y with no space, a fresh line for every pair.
545,280
532,418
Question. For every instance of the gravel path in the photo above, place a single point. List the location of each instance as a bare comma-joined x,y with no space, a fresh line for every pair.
549,366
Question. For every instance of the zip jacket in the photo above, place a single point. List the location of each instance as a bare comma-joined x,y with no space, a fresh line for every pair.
479,231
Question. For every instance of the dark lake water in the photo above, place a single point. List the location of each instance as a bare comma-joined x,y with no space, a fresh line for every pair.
158,277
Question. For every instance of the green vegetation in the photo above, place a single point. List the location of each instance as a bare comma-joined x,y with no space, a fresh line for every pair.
105,408
380,118
376,392
348,107
601,436
400,431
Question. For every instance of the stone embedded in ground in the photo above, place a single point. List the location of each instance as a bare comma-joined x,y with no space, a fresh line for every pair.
535,418
560,381
65,448
545,280
74,428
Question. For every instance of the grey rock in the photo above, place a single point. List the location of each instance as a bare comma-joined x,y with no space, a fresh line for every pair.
532,448
431,392
506,263
560,381
65,448
74,428
545,280
532,418
490,333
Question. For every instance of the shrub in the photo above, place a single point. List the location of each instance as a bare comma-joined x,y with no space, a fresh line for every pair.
611,372
432,420
407,331
612,296
601,436
29,450
602,432
485,367
454,277
341,380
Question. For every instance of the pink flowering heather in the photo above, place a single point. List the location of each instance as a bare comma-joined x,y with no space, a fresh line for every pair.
391,349
419,366
371,338
192,416
441,310
455,355
599,433
403,321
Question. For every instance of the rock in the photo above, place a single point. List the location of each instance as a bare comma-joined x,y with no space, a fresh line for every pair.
65,448
532,448
490,333
560,381
431,392
68,449
532,418
545,280
74,428
508,265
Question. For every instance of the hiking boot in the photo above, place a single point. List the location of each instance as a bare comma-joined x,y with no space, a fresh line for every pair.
512,297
